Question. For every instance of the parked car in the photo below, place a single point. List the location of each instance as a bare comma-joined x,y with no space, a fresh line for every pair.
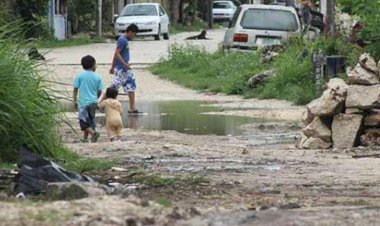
223,10
261,25
150,18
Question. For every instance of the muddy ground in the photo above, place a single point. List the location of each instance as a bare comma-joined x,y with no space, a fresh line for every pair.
187,179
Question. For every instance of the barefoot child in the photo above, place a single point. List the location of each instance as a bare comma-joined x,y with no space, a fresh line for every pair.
90,85
114,123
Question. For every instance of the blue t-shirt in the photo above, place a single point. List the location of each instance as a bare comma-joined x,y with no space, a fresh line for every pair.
88,83
123,45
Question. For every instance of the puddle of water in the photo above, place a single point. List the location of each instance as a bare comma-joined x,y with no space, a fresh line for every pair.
185,117
191,165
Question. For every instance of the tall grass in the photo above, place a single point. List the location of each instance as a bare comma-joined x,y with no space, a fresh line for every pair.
294,79
214,72
27,112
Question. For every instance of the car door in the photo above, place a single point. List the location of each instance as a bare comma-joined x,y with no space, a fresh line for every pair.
164,20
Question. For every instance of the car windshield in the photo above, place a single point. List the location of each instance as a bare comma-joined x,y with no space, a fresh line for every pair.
221,5
140,10
269,19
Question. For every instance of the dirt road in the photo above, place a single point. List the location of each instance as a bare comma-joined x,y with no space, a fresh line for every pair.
207,179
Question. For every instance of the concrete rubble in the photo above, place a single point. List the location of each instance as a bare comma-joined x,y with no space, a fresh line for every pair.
346,115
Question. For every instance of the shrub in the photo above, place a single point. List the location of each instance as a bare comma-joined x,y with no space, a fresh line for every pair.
27,112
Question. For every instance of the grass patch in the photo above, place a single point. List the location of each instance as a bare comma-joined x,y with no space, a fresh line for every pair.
76,163
214,72
69,42
7,166
163,201
229,73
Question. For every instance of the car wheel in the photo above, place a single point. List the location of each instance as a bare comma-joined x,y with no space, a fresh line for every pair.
166,36
157,37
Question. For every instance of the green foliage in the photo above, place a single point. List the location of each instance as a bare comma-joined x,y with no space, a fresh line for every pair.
28,115
229,73
369,13
294,79
217,72
163,201
33,13
337,46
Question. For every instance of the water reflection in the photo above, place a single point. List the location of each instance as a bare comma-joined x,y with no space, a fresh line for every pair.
184,117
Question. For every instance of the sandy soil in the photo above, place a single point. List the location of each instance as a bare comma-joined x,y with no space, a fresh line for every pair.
244,184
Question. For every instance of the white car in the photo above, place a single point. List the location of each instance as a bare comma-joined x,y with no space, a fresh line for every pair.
150,18
223,10
261,25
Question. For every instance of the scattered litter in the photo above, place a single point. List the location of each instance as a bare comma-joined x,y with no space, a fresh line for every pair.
20,195
36,172
119,169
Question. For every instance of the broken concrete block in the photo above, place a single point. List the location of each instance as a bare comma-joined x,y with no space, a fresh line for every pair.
332,100
346,130
354,111
368,63
363,97
362,76
371,137
373,118
72,190
307,117
316,143
317,129
301,140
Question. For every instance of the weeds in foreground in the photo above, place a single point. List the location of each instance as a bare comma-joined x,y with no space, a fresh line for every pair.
28,115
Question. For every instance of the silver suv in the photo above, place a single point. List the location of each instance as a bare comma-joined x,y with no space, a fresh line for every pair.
261,25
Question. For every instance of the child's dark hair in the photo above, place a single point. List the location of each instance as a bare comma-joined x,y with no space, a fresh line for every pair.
112,93
133,28
88,62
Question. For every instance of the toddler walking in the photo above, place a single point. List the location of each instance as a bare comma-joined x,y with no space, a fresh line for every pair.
113,110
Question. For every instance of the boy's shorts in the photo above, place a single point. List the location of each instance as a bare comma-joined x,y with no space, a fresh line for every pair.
126,79
87,117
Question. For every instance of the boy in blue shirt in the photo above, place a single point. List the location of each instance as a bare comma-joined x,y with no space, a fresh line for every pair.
90,85
121,68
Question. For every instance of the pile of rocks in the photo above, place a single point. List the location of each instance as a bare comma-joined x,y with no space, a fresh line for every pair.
346,115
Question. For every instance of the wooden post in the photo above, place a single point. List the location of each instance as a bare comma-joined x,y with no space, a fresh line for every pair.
99,31
210,16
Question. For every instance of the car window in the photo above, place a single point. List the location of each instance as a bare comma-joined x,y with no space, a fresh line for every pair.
140,10
221,5
162,11
269,19
234,19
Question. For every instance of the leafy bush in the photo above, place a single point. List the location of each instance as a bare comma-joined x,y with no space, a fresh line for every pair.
369,13
27,112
